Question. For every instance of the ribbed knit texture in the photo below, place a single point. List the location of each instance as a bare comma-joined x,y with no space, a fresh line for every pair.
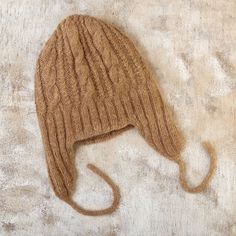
91,83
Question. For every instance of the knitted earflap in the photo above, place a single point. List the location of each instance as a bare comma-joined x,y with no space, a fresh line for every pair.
91,83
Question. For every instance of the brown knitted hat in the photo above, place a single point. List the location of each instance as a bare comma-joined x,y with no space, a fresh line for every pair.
91,83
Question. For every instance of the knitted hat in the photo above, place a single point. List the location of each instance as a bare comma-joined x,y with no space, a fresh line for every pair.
91,83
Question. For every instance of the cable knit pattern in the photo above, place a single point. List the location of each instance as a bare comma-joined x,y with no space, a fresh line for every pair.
91,83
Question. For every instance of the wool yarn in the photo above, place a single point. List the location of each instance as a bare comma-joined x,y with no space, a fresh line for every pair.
90,84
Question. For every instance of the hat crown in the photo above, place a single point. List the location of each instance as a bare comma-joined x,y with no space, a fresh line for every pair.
87,58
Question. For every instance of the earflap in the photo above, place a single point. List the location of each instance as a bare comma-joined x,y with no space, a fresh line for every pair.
59,155
155,123
61,164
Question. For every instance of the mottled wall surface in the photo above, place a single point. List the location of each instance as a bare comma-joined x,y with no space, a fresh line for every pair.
190,46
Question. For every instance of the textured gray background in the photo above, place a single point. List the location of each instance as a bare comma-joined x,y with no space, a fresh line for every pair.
190,46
